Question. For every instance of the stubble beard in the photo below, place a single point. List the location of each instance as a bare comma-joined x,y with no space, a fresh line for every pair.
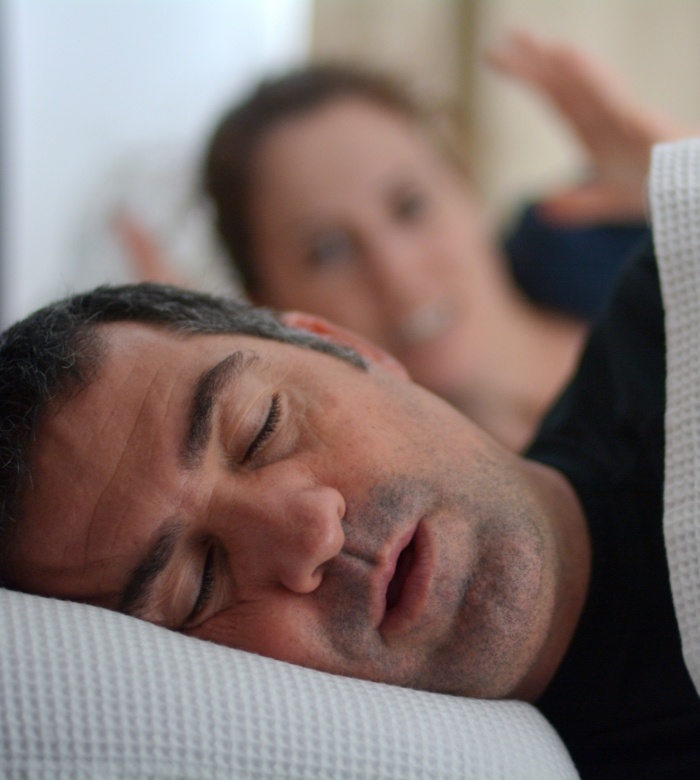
480,640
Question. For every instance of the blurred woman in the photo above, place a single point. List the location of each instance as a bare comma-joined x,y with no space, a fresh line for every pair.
335,195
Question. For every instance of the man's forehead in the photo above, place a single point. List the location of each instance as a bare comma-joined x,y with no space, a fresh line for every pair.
141,349
145,379
142,359
90,446
133,337
136,402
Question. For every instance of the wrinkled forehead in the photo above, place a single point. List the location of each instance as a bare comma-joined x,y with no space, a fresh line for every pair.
143,379
91,448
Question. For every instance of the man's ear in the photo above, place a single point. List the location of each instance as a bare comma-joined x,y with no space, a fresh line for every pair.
330,332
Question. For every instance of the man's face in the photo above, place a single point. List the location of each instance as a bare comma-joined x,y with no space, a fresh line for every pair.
275,499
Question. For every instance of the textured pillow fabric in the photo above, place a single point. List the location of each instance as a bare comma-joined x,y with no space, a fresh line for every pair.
675,209
88,693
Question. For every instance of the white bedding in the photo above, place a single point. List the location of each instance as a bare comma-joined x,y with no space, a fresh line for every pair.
675,210
88,693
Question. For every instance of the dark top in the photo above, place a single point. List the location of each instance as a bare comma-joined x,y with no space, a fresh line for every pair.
622,700
571,269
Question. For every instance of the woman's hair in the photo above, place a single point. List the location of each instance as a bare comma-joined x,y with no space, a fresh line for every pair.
230,157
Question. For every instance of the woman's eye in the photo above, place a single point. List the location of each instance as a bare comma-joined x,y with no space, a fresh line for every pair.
410,205
268,428
206,587
331,248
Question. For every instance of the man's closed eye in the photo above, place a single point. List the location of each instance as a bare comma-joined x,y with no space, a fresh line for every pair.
268,428
206,587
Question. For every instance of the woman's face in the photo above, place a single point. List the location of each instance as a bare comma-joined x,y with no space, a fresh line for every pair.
357,217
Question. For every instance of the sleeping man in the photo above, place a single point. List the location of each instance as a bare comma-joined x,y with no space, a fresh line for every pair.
281,486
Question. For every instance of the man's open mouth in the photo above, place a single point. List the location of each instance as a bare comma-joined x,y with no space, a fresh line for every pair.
403,567
409,583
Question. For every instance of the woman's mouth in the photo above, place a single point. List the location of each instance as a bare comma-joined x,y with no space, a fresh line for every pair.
425,324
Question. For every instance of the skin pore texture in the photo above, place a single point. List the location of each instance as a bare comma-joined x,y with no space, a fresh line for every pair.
279,500
356,216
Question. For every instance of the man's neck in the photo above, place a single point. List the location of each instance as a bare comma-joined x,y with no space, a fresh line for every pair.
573,551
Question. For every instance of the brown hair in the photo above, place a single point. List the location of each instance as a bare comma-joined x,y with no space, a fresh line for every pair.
229,160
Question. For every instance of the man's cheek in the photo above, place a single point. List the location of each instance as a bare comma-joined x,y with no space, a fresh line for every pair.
286,632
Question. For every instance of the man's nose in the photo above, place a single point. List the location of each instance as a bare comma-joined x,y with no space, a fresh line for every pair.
285,535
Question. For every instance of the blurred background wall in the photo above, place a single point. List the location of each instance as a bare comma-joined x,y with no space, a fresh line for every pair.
94,90
515,144
108,98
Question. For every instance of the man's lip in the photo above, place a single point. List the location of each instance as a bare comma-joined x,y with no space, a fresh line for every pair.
410,592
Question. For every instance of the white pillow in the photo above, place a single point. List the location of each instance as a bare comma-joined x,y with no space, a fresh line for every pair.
88,693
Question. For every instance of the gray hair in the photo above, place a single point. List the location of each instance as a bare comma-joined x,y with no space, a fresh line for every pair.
57,351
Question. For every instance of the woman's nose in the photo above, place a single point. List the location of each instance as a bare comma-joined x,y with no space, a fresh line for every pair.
401,272
286,536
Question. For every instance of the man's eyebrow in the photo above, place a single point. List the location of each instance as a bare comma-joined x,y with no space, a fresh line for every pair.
208,388
207,391
138,589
